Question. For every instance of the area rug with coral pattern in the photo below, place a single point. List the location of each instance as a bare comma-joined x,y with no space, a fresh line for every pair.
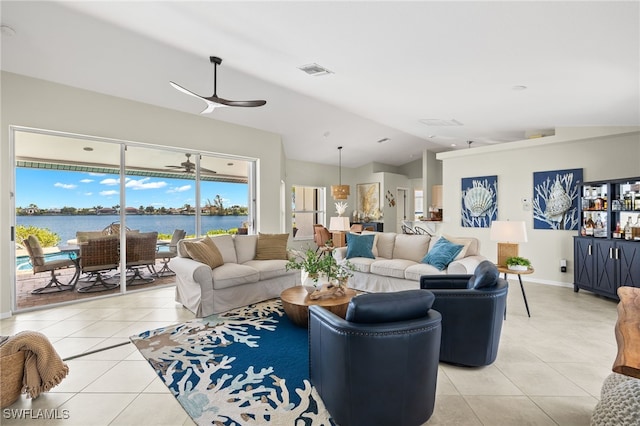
248,366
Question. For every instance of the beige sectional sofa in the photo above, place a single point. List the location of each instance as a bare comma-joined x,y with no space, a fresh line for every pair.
239,281
398,262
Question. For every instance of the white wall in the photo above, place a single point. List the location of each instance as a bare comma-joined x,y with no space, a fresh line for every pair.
39,104
601,153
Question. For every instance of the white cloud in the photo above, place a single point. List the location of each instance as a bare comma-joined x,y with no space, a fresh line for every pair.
88,193
179,189
96,174
65,185
86,180
110,181
144,184
109,192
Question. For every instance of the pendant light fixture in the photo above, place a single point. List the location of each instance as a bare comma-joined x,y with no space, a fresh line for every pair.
340,191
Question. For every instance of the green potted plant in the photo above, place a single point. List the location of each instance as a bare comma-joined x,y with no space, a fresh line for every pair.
311,266
516,263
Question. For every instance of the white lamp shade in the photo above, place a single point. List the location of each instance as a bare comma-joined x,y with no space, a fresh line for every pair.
340,223
508,231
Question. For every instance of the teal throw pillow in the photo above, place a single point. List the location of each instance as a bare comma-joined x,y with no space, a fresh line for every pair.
442,253
360,246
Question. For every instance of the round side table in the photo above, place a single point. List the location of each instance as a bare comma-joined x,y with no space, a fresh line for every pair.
506,271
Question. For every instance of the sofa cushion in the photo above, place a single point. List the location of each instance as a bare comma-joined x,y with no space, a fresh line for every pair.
270,268
227,248
391,267
204,251
233,274
375,234
362,264
272,246
386,242
359,246
469,249
374,308
414,272
485,275
412,247
245,247
442,253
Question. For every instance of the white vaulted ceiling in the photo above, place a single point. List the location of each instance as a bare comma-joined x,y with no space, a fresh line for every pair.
395,65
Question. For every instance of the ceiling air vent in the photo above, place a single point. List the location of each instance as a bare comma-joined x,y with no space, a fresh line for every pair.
315,70
440,122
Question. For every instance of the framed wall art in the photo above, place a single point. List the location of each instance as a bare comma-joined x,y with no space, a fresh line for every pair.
479,201
368,199
555,199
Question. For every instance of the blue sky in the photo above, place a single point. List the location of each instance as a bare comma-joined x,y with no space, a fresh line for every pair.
56,189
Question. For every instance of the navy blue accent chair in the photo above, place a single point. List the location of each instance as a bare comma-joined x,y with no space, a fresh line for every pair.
472,308
379,366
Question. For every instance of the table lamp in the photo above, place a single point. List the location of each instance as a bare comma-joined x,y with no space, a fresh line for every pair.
338,224
508,234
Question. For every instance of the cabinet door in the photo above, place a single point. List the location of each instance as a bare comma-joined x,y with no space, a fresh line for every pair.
628,257
605,267
583,276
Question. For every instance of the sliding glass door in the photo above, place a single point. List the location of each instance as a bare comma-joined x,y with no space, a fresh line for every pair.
66,184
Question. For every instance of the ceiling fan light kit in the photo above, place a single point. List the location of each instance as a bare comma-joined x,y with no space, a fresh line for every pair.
214,101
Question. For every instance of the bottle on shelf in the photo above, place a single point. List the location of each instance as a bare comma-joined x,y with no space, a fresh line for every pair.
627,230
618,232
589,225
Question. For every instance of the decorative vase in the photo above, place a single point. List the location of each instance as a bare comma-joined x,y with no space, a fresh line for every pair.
517,267
309,281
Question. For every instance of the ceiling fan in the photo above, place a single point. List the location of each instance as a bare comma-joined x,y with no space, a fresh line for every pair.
214,101
190,167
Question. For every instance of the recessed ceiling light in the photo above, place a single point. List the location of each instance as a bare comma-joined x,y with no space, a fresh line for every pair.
229,164
519,87
453,144
440,122
383,140
88,148
315,70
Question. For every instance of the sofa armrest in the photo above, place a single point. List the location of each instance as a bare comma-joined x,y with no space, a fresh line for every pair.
340,253
466,265
444,281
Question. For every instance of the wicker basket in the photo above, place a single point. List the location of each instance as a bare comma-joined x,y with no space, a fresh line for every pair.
11,373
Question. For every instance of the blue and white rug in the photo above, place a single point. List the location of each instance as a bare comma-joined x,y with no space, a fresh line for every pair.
249,366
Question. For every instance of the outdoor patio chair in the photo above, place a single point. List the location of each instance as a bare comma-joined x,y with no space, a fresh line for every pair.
97,256
41,264
141,254
166,256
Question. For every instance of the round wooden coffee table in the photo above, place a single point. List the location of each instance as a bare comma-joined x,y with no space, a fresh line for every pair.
296,302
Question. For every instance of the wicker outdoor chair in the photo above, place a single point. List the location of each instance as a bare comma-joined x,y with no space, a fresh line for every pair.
141,253
41,264
166,256
97,256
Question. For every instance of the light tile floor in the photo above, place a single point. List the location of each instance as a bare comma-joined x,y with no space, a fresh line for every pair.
549,370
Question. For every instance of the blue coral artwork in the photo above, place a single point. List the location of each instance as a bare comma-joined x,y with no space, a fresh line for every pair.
555,199
479,201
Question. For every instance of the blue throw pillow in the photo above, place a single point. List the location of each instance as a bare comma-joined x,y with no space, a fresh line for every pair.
442,253
360,246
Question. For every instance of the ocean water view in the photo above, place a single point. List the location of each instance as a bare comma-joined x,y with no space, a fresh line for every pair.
67,226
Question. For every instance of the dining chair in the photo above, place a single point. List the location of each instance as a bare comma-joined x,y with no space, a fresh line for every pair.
99,255
141,254
41,264
166,255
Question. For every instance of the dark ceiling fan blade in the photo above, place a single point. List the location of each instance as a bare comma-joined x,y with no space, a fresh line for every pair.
214,101
226,102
